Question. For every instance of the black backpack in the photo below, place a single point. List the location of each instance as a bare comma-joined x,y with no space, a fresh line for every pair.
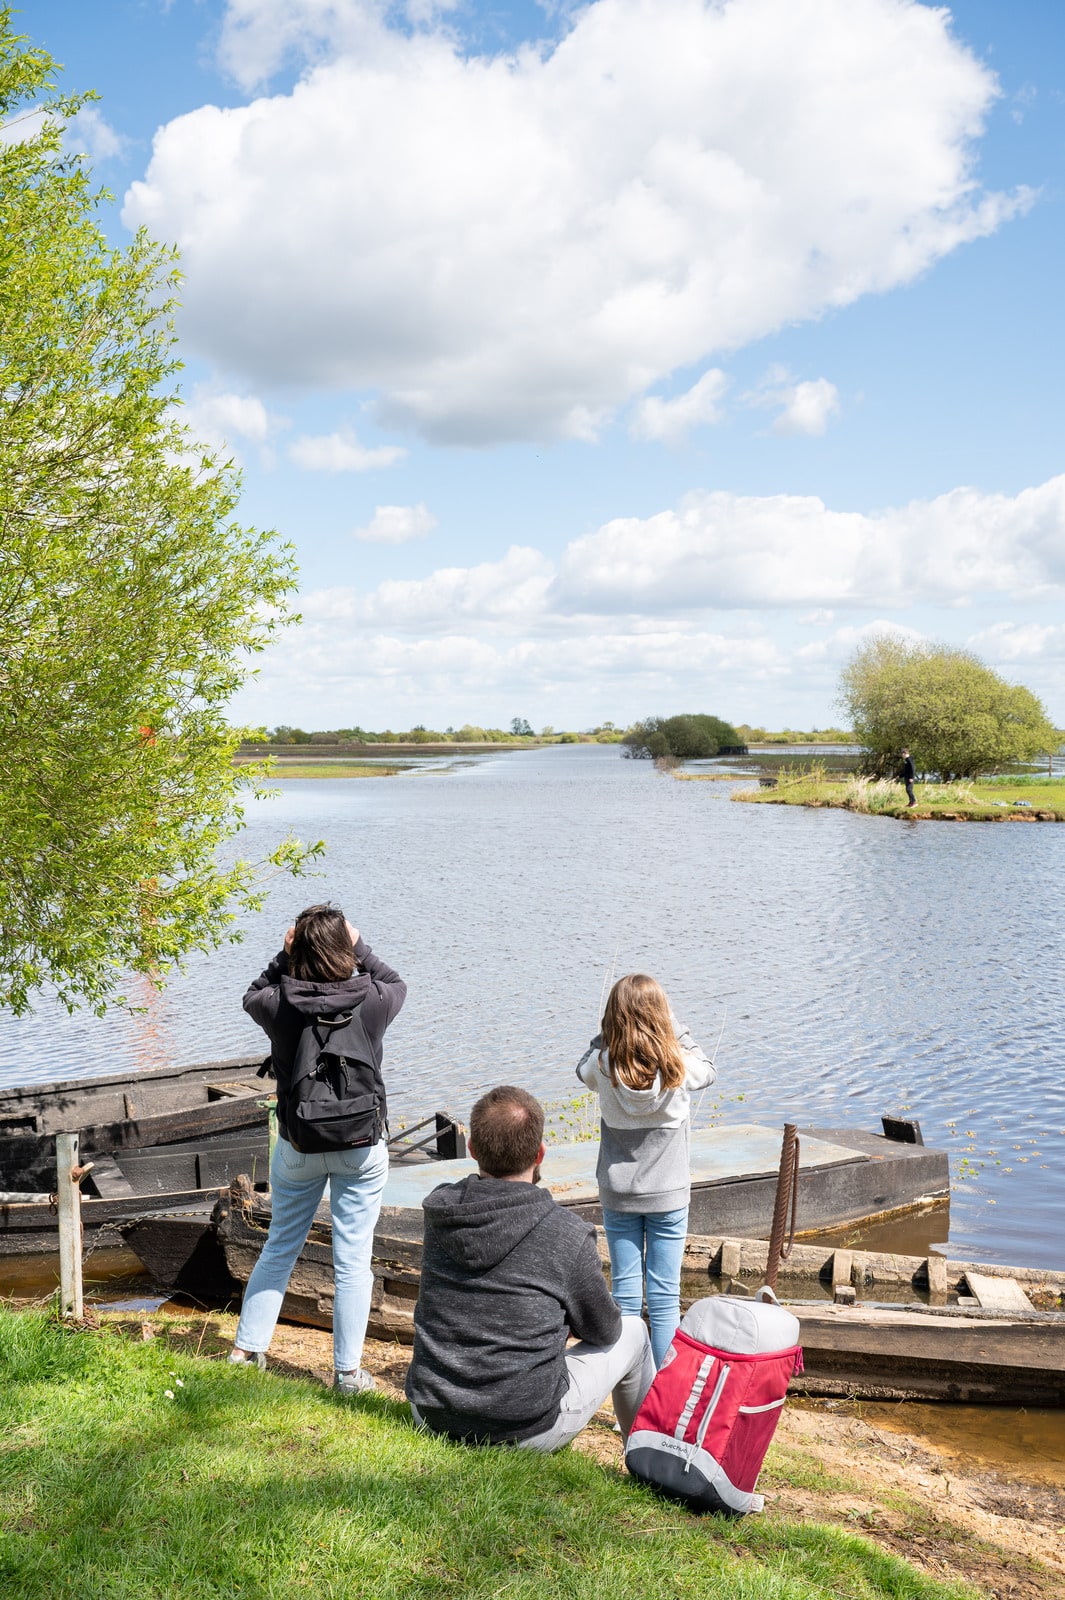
337,1099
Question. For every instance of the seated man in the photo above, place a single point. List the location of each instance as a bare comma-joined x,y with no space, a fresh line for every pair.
507,1277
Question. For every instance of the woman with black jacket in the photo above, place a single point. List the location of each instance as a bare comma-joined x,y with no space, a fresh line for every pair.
325,971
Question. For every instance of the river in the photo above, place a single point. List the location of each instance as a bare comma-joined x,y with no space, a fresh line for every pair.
851,965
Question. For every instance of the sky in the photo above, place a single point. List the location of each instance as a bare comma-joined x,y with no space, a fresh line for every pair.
611,360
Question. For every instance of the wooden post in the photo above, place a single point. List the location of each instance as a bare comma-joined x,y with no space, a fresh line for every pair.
787,1190
69,1174
731,1258
842,1267
937,1279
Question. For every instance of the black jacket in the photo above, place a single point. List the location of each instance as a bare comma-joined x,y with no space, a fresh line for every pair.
507,1276
909,772
283,1006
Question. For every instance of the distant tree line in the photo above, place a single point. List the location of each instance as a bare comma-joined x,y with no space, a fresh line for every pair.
520,730
688,737
787,736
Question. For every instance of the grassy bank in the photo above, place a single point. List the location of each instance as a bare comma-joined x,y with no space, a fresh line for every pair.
138,1469
988,800
332,769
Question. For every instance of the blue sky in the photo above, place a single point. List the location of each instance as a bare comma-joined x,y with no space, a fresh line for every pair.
611,360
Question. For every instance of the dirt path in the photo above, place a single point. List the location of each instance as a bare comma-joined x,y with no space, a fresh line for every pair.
844,1463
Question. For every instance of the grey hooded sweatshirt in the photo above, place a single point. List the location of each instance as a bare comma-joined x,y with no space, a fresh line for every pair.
507,1276
644,1134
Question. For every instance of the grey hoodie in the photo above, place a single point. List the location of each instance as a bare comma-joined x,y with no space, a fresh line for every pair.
644,1134
507,1276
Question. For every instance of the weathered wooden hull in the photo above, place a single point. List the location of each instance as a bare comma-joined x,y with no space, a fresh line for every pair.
134,1182
902,1353
175,1238
874,1352
181,1251
125,1111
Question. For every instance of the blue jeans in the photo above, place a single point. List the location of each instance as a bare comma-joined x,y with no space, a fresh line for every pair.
650,1241
356,1180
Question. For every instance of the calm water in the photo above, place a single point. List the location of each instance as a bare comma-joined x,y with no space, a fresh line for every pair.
856,964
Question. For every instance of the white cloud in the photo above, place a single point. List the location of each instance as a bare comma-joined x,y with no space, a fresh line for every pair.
516,247
723,550
89,133
673,420
258,36
507,594
220,418
841,645
802,408
341,452
397,524
807,408
462,669
1007,642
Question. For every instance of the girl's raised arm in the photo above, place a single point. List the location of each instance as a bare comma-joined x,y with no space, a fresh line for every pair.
699,1069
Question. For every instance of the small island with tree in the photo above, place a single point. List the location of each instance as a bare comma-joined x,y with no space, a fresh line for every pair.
973,737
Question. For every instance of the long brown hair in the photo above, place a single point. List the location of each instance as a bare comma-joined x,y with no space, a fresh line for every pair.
321,946
639,1035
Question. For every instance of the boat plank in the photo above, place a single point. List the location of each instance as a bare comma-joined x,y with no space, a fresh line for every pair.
997,1294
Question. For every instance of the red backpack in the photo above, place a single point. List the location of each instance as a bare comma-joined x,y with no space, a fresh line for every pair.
703,1430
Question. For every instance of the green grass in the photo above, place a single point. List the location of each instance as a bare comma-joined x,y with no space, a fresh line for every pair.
237,1483
330,769
977,800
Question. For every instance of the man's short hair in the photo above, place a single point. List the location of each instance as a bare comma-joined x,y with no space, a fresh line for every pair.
506,1131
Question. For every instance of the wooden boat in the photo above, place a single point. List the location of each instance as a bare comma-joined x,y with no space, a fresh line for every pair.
846,1175
957,1352
165,1140
125,1111
177,1243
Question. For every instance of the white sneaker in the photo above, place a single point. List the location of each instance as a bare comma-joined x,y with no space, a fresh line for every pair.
254,1358
358,1382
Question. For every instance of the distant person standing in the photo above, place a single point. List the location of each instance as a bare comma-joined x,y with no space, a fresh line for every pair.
909,772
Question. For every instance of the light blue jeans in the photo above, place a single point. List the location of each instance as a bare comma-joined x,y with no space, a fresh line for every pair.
650,1243
356,1180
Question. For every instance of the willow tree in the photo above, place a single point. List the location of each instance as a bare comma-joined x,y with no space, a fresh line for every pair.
957,716
130,598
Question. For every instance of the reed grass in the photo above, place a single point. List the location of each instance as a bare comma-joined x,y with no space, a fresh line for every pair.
131,1472
572,1121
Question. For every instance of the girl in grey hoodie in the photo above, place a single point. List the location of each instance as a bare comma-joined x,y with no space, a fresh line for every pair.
643,1066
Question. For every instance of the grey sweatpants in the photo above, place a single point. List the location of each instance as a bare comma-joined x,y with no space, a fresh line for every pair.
624,1369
